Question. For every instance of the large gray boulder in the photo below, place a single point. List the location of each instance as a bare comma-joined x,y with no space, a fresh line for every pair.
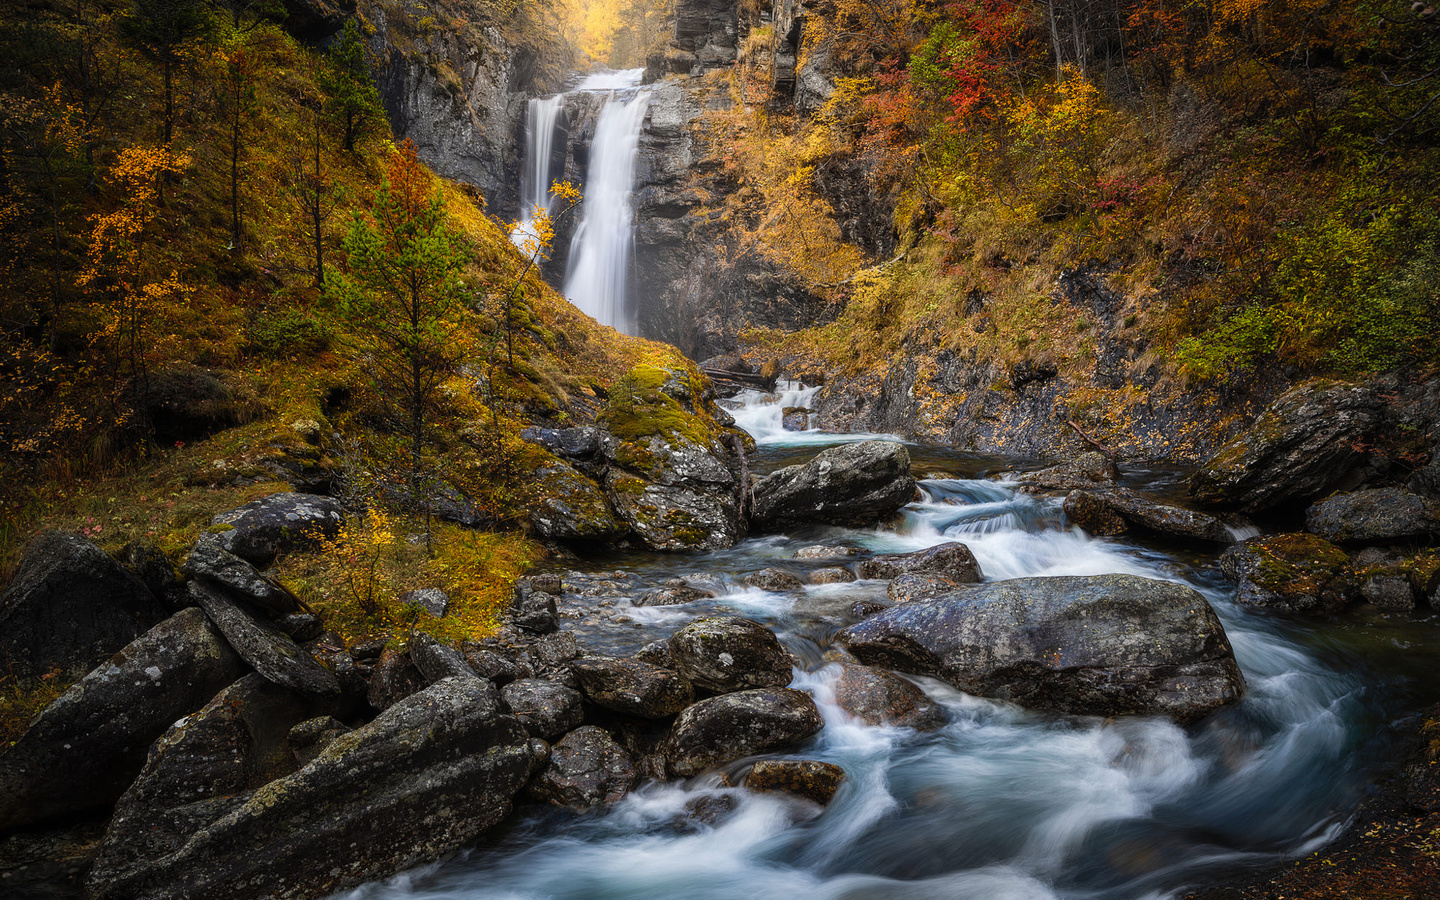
1096,645
69,607
567,506
280,523
1088,470
878,697
1377,516
729,653
84,749
546,709
429,775
853,484
732,726
1302,446
211,563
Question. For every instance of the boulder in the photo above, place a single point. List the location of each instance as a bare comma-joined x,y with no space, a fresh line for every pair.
280,523
853,484
1093,645
950,560
488,664
576,443
567,506
815,781
263,645
822,551
586,769
914,586
533,610
672,474
431,601
795,418
183,403
149,563
436,660
1302,446
309,738
1115,511
545,708
1388,589
728,653
394,678
771,579
428,776
1377,516
732,726
84,749
832,575
671,596
69,607
632,687
204,766
1290,572
878,697
1088,470
211,564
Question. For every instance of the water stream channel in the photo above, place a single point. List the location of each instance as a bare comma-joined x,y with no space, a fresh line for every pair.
1001,803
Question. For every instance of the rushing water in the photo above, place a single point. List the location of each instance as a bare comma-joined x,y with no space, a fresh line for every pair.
1001,804
542,115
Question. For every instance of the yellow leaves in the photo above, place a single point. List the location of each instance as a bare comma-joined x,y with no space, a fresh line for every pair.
565,190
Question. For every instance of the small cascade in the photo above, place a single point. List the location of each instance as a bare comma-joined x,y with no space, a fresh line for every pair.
600,251
542,115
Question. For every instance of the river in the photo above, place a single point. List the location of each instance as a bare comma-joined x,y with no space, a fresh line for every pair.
1000,804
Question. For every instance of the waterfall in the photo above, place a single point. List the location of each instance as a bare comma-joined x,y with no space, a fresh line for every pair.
541,116
600,250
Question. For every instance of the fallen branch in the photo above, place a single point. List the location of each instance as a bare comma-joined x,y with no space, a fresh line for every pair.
1089,440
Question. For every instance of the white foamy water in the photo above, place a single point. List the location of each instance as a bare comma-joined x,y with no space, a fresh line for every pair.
542,116
763,414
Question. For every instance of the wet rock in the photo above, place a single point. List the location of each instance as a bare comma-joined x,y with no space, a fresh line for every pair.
532,610
429,775
1380,515
489,664
632,687
548,582
774,580
395,677
1114,512
1088,470
84,749
1289,571
555,650
263,645
950,560
709,809
309,739
69,607
832,575
671,596
435,660
432,601
208,562
567,506
822,551
853,484
916,586
795,418
545,708
1302,446
576,443
1093,645
878,697
200,769
864,609
815,781
1392,589
732,726
722,654
1088,510
657,653
587,768
280,523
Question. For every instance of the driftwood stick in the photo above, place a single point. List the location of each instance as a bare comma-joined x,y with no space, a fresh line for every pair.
1089,440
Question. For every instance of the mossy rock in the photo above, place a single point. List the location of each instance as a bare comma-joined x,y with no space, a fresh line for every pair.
1291,572
570,507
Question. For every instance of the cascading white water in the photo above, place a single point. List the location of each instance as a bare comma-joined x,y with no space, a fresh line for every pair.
541,116
999,804
600,251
